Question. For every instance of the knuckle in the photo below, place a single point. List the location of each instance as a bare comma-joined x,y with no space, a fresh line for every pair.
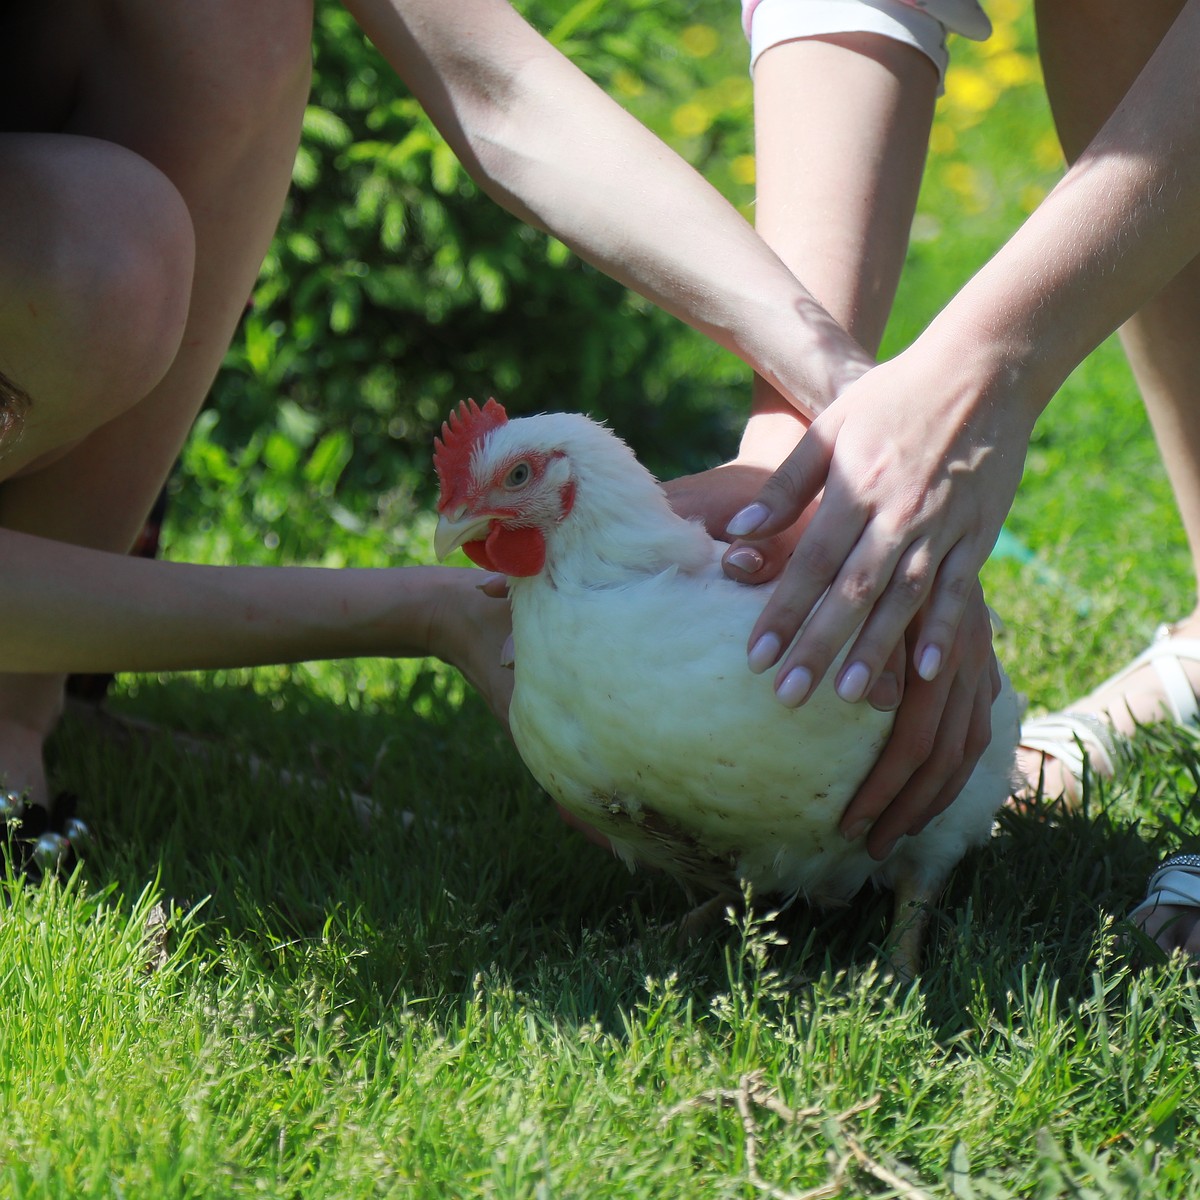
922,745
958,588
816,558
857,588
907,589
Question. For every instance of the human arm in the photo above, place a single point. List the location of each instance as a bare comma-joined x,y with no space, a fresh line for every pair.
85,610
550,146
920,459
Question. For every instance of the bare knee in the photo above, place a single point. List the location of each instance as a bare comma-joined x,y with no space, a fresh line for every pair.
97,277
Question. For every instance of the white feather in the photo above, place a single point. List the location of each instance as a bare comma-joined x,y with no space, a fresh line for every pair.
634,707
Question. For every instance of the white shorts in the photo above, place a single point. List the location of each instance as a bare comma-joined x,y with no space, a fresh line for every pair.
920,23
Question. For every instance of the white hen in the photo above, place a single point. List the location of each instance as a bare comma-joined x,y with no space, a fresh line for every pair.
634,707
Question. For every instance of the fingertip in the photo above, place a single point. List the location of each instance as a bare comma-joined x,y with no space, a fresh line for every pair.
886,694
764,653
853,682
745,560
856,830
495,586
929,663
793,688
750,518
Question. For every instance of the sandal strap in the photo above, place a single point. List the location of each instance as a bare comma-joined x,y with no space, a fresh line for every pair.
1167,654
1176,881
1073,738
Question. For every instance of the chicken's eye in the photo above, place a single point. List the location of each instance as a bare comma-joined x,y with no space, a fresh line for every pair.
518,476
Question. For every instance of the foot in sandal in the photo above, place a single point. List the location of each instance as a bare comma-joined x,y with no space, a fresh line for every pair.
1160,684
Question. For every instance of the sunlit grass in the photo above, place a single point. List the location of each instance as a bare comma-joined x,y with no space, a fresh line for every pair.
476,1003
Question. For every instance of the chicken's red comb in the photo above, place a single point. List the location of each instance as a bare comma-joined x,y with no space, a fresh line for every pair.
462,431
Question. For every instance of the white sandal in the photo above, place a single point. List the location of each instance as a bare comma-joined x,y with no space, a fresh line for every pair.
1176,882
1078,739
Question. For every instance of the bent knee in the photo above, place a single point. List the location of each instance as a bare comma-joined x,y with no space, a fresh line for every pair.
99,282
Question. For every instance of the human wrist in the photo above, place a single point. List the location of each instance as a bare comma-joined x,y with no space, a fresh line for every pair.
801,352
772,430
997,362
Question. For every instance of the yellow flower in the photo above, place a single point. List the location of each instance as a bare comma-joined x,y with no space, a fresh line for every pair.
1013,70
699,40
742,168
691,120
1003,39
1005,12
965,182
627,83
969,89
734,91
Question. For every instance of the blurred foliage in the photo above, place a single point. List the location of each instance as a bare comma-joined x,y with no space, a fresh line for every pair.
395,287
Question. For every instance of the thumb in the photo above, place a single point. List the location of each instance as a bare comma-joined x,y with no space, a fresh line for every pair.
789,491
758,562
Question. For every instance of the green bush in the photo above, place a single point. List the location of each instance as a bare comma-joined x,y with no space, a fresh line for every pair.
395,287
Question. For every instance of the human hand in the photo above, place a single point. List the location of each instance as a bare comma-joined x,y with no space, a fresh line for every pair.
492,676
942,728
715,495
472,630
909,513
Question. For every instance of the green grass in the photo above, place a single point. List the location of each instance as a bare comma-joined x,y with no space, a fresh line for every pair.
482,1005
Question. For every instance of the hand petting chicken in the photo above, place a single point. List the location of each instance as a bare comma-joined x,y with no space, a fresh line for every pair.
633,705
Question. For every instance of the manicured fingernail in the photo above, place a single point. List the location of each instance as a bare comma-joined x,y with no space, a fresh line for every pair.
508,652
764,653
857,830
930,664
745,559
748,520
852,686
794,686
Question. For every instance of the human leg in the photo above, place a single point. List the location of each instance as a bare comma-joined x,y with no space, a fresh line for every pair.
209,100
841,128
1092,50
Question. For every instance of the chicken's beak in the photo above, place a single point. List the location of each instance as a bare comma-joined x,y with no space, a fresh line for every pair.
453,529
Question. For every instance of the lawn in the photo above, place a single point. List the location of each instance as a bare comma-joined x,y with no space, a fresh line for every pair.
244,992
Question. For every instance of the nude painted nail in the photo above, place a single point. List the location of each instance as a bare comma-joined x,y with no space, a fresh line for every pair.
852,686
794,687
930,664
745,559
764,653
857,830
748,520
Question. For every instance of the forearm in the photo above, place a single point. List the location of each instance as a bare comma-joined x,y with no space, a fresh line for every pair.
70,609
1123,220
554,149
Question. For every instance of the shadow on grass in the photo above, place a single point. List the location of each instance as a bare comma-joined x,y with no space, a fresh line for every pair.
485,888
